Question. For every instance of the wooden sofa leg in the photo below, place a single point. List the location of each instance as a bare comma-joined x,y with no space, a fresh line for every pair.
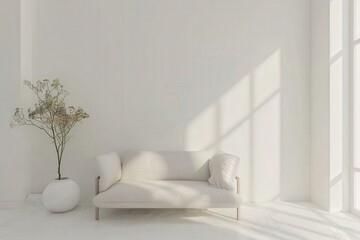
97,190
96,213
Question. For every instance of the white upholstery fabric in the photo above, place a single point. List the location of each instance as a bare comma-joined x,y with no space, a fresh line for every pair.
223,170
166,194
109,169
177,165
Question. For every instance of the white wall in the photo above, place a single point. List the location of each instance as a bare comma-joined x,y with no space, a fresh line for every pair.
330,104
320,110
14,162
181,75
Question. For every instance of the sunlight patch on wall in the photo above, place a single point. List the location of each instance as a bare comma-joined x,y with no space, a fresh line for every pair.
234,105
202,131
267,77
336,29
266,150
336,105
266,128
336,78
356,20
356,76
246,120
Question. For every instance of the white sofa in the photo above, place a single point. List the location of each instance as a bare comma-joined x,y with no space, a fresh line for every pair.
164,180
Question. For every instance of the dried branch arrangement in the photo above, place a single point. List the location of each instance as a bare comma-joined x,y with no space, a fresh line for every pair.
50,114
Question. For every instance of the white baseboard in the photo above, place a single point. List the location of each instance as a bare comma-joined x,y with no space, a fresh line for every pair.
33,200
11,204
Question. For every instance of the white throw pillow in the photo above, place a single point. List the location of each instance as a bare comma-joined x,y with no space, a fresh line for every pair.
223,170
109,169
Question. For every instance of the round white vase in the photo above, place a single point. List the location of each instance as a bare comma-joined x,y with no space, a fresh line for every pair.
61,195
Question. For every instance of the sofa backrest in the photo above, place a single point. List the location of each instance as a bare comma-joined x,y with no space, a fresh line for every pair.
175,165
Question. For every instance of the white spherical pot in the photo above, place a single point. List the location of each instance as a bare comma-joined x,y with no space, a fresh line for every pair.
61,195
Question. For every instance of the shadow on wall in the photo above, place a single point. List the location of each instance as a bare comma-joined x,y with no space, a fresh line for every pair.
246,114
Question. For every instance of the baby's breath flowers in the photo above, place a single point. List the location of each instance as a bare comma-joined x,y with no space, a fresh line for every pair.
50,114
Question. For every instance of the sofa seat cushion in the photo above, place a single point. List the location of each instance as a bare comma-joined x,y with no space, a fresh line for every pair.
165,194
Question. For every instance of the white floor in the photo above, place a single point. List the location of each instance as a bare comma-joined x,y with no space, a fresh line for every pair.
277,220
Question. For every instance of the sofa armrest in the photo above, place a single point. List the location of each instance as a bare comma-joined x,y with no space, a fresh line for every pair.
237,184
109,169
